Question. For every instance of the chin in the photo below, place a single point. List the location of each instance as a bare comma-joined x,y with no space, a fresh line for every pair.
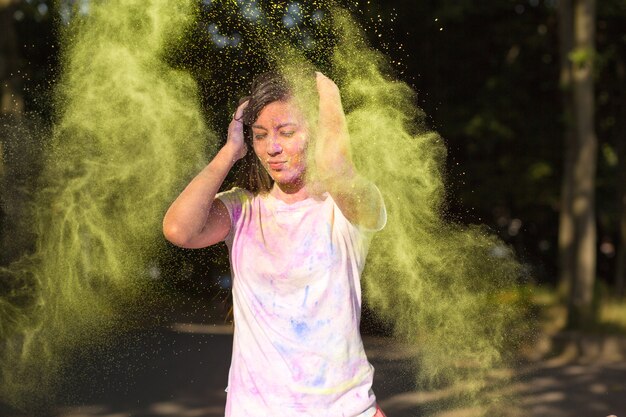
287,180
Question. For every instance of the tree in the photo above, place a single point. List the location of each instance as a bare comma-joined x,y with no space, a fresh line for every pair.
567,254
620,270
579,171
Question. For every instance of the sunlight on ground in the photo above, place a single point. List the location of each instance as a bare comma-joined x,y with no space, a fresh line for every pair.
568,373
614,313
553,312
556,386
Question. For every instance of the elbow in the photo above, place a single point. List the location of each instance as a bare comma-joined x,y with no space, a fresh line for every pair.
174,234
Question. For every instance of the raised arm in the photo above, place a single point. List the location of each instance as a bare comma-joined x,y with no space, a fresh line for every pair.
197,219
358,198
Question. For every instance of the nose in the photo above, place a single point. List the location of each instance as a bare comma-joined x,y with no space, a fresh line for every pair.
273,146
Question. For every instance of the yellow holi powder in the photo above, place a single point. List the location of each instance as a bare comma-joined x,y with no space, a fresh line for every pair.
446,288
130,132
439,283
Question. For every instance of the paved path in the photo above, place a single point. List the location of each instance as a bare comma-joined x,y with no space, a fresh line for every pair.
181,369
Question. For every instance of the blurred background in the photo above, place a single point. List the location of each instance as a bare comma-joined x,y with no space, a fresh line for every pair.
528,95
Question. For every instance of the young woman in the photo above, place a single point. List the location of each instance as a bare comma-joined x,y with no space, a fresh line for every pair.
297,240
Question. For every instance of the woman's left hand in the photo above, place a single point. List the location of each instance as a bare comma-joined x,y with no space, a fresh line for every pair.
325,86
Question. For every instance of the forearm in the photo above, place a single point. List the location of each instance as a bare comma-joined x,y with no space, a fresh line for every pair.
332,148
187,216
358,198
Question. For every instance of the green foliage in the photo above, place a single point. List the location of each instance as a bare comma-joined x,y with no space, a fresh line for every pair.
581,57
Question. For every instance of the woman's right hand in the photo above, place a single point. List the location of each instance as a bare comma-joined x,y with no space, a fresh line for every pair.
235,139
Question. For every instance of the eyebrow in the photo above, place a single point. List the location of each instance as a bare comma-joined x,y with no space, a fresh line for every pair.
280,126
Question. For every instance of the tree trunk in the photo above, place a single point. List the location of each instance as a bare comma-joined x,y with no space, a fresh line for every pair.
620,270
580,311
566,221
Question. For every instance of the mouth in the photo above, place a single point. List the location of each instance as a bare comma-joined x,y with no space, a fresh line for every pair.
276,165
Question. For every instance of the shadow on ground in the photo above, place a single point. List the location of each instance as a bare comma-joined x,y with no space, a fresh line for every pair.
181,368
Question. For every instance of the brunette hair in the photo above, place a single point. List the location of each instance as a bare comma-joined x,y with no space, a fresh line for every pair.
266,88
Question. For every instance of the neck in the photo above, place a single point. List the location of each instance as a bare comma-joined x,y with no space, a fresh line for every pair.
290,193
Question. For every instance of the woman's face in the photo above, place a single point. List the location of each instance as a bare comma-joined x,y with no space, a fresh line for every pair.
279,138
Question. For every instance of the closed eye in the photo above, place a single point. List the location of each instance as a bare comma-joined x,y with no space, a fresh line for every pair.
259,136
288,134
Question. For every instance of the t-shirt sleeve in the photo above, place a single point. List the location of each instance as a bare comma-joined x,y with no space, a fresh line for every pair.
382,218
380,224
234,200
361,236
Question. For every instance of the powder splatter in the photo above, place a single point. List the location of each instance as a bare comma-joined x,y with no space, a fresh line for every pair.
130,130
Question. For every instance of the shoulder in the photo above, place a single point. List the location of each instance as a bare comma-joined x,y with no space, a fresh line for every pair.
374,205
355,230
235,196
234,200
235,193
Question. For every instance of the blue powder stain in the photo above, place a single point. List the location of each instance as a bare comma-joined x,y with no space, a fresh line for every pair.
321,377
300,327
319,381
282,349
306,295
321,323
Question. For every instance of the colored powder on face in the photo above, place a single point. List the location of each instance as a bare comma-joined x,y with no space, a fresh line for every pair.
130,132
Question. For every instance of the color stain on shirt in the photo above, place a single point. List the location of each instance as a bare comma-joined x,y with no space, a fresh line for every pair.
306,295
296,298
300,328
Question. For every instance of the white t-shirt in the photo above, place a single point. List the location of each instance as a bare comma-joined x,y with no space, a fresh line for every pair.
297,349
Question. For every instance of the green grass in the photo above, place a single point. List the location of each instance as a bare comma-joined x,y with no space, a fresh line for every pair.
613,315
552,312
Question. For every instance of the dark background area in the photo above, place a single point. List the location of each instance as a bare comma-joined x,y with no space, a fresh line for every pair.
486,75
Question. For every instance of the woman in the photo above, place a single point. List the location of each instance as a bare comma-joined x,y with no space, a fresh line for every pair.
297,242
